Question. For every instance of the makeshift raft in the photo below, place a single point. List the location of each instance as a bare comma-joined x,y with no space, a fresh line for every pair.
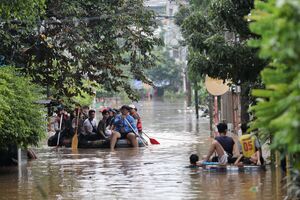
121,143
215,167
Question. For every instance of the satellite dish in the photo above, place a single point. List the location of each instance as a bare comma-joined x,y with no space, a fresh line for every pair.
216,87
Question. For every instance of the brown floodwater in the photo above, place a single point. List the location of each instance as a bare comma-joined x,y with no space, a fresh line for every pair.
153,172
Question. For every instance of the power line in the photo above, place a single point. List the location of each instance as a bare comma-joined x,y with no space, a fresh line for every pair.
76,19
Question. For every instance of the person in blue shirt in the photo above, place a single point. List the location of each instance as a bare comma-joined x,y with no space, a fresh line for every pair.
124,128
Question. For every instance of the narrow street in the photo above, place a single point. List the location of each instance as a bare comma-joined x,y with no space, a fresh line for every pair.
153,172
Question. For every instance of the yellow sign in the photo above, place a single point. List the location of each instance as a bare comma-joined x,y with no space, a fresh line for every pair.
248,145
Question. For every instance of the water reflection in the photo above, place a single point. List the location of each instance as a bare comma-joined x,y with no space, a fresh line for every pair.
154,172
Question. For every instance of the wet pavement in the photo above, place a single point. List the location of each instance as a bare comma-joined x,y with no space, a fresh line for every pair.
153,172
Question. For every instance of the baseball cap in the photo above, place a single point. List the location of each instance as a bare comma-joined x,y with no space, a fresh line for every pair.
125,107
131,106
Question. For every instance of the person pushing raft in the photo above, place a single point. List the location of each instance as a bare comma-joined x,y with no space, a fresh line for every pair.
194,158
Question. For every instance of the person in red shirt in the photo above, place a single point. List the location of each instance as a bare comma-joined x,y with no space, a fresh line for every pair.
136,116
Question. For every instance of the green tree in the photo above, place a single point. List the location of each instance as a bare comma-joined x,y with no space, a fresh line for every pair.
17,20
166,73
277,112
21,120
106,42
27,10
217,38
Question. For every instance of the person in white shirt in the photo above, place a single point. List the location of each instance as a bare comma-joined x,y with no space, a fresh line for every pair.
90,127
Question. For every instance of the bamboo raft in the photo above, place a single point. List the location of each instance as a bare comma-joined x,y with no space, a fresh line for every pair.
215,167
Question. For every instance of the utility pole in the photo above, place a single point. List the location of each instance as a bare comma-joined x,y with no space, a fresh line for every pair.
196,100
211,115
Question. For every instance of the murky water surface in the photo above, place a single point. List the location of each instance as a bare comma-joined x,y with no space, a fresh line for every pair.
154,172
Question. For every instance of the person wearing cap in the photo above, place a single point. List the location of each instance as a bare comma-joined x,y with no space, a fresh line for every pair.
124,128
136,116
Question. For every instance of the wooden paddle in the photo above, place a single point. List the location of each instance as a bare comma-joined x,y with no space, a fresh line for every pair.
60,124
152,140
75,137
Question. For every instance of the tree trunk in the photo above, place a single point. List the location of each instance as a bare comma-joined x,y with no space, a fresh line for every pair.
188,93
245,102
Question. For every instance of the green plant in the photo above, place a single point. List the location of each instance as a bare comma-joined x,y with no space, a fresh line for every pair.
202,93
278,109
22,121
108,43
217,35
166,73
21,9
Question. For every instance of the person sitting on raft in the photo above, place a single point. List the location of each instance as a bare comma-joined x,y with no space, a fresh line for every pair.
102,125
250,149
136,116
90,127
62,128
112,115
124,127
85,112
223,145
61,114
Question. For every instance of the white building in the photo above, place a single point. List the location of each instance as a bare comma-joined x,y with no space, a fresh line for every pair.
166,10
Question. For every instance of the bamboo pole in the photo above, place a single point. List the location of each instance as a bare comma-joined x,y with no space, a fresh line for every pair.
288,169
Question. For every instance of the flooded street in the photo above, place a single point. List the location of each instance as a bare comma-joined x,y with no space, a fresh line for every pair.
153,172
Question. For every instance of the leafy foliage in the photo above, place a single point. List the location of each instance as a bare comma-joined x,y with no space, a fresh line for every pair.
21,9
21,120
105,42
166,73
217,39
277,112
294,185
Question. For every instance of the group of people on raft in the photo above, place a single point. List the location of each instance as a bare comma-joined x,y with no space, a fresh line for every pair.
115,124
125,123
223,145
